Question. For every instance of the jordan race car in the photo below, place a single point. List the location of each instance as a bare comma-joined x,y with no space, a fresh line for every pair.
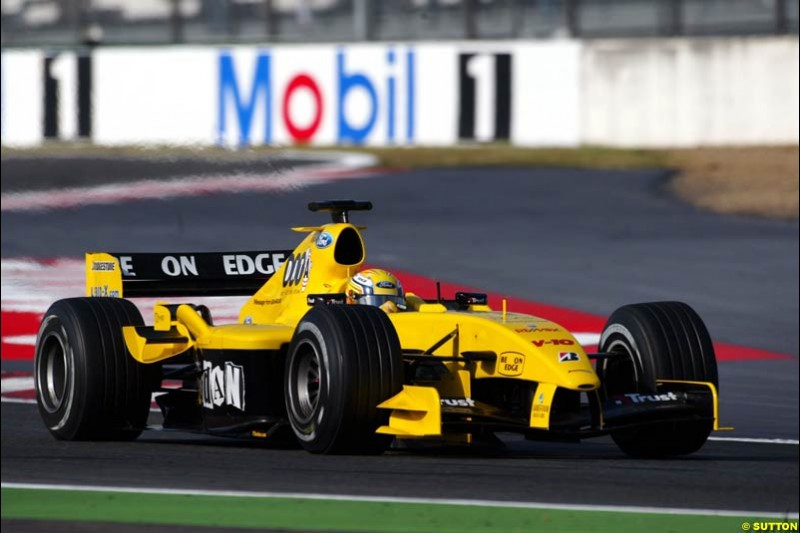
343,378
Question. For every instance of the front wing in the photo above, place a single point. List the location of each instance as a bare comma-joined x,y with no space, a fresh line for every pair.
420,412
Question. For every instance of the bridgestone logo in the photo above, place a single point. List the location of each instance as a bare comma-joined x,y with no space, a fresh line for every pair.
103,266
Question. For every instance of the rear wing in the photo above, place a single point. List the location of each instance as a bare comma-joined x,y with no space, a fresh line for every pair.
180,274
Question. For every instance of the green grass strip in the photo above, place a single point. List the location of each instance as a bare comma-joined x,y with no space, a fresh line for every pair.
310,515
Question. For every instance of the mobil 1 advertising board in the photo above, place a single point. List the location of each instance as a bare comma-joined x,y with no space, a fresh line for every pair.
365,94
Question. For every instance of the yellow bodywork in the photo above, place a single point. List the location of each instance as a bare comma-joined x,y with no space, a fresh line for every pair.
311,270
526,347
416,412
189,330
266,321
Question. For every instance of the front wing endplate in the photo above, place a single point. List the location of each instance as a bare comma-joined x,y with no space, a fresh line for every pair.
416,412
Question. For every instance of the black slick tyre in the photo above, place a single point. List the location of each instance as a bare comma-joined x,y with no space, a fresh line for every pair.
342,362
662,340
88,387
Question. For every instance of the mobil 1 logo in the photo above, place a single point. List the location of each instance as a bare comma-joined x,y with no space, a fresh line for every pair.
67,95
484,98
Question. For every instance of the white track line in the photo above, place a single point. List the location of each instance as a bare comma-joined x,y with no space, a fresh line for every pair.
18,400
16,384
179,187
755,440
587,339
25,340
392,499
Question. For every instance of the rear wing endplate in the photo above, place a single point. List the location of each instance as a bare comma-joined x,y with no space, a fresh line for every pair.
180,274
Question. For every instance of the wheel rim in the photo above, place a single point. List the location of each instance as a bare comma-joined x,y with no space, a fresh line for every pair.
53,373
307,382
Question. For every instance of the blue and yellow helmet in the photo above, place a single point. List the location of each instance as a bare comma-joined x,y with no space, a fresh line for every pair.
375,287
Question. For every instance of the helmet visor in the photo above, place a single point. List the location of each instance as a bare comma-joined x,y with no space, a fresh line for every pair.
379,299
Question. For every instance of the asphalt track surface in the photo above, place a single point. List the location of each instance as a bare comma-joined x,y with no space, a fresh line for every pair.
723,475
24,173
588,240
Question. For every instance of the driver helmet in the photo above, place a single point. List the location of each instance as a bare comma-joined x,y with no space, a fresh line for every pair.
376,287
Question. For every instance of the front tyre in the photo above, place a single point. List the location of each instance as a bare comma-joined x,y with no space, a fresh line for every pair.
343,361
88,387
662,340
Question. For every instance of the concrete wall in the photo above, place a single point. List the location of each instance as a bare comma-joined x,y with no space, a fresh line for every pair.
690,92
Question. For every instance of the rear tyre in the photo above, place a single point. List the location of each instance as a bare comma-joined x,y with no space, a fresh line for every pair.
343,361
662,340
88,387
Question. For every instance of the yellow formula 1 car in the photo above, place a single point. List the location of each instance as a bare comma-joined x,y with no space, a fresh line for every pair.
350,378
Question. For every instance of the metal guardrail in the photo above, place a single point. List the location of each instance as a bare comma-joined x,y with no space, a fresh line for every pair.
71,22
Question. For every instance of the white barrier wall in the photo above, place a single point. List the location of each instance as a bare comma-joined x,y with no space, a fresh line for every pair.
21,102
690,92
371,94
669,92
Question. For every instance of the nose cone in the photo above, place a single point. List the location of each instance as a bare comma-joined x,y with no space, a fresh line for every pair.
571,365
581,378
561,355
